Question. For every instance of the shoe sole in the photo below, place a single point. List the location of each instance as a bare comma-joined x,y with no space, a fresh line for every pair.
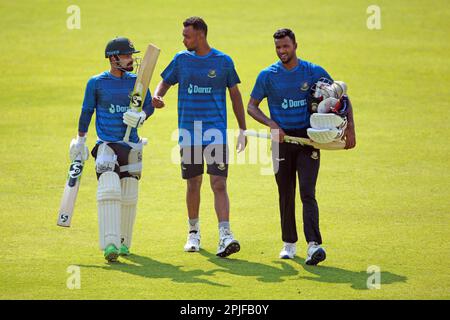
286,257
112,257
317,257
233,247
192,249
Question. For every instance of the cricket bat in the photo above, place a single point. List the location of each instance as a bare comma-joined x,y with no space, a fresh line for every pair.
335,145
69,197
144,76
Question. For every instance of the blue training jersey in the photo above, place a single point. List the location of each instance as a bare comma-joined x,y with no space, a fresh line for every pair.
109,96
202,83
287,92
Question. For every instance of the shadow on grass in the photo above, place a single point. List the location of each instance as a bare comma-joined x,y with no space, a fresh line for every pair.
153,269
357,279
263,272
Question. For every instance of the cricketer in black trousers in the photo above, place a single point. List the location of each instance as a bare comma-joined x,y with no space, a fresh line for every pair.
287,86
292,161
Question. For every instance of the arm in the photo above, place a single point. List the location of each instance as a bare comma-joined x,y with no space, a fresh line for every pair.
160,92
238,106
78,145
239,113
256,113
350,137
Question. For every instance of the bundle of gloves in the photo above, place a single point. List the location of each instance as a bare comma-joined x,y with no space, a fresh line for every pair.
329,107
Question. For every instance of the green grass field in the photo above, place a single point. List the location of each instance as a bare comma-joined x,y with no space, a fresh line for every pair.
386,203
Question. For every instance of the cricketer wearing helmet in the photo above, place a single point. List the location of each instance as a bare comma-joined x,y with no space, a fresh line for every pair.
287,86
203,75
118,164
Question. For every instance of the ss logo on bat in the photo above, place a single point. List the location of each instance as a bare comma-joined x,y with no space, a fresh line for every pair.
136,101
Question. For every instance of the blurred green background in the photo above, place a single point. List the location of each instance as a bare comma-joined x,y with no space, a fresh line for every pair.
385,203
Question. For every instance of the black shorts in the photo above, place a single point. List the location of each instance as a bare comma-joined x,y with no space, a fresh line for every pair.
194,157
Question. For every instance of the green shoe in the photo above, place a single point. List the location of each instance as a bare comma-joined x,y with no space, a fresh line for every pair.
124,251
111,253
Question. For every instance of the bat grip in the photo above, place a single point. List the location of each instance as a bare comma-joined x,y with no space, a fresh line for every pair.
252,133
126,138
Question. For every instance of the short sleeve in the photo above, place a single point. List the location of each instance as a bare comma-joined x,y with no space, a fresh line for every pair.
259,91
320,72
232,76
170,74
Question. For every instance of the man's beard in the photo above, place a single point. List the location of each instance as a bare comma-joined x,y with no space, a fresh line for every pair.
127,68
289,59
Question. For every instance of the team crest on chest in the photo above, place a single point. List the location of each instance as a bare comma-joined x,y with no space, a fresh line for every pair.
212,73
305,86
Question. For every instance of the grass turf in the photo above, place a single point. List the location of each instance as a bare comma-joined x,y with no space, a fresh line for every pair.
384,204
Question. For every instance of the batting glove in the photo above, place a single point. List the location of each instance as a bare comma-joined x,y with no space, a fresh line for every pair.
78,147
134,119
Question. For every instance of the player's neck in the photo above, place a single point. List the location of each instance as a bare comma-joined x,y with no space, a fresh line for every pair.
291,64
116,72
203,49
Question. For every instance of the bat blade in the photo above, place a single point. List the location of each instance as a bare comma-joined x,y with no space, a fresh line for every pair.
144,76
335,145
70,193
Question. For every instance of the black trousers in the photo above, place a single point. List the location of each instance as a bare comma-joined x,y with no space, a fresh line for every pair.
305,161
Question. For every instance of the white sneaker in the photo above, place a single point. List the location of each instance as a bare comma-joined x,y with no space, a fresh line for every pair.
193,242
289,250
315,254
227,244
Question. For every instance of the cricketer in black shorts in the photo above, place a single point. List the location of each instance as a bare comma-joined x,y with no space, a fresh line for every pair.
203,75
193,159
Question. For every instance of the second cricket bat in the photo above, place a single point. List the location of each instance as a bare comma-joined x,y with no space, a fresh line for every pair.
335,145
69,197
144,76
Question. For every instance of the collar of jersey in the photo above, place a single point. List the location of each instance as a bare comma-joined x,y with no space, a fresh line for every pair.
192,53
282,67
124,76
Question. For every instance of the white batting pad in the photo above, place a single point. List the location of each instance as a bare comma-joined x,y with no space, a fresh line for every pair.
108,201
323,135
128,214
326,121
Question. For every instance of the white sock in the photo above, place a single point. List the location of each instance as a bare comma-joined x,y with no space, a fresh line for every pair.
224,224
194,225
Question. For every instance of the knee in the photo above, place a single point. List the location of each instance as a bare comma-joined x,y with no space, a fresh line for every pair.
194,184
307,193
109,187
219,185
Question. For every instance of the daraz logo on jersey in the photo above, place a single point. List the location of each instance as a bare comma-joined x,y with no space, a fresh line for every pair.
196,89
293,103
117,109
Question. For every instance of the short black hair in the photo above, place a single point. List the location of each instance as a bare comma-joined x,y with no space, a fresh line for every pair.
281,33
197,23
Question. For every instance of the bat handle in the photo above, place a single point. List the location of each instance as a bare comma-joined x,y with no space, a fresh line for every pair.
252,133
126,138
